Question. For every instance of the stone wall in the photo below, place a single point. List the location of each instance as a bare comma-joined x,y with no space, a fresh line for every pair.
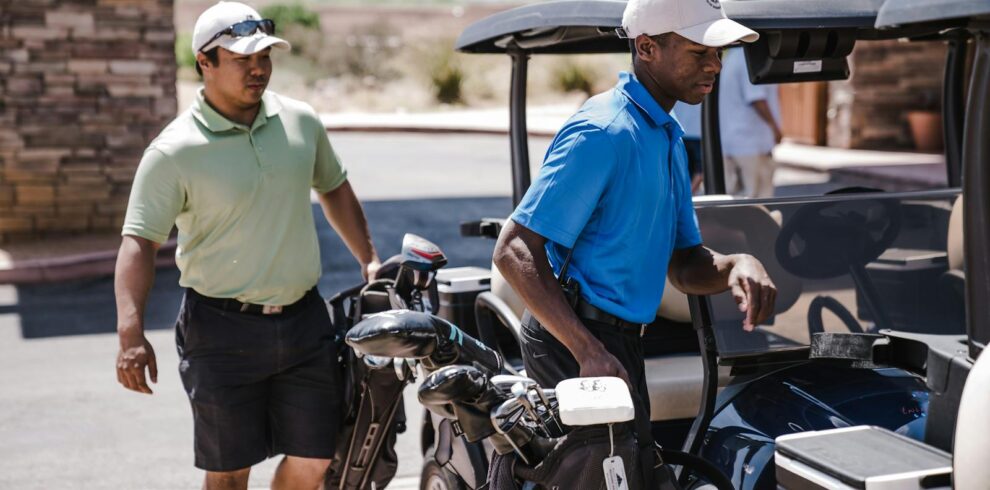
889,78
84,87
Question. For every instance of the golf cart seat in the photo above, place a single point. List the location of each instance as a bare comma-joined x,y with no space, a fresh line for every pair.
952,283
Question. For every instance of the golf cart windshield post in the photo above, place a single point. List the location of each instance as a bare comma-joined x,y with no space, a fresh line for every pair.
711,141
518,137
954,106
976,200
701,319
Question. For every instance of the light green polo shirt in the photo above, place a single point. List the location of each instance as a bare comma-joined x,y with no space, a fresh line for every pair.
240,198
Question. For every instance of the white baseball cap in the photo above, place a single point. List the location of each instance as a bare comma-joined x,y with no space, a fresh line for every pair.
701,21
223,15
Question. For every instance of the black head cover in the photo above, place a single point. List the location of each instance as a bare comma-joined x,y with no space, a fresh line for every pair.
417,335
455,383
396,333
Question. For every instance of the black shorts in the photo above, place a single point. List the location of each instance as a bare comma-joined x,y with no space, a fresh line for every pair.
259,385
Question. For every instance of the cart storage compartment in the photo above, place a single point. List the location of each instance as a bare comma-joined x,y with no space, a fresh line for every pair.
458,286
862,457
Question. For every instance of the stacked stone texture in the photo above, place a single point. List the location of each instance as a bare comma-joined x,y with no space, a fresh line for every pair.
84,87
889,79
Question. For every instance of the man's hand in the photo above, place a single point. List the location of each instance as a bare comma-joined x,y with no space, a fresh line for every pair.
135,355
370,270
753,290
600,362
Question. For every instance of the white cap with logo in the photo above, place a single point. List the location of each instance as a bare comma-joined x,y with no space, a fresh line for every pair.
701,21
223,15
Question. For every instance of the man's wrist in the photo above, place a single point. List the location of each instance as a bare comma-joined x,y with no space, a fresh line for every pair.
130,333
583,344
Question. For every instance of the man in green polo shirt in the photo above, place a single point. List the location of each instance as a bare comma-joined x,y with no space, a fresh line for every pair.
233,173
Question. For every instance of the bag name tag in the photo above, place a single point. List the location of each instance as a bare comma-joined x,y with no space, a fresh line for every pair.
615,474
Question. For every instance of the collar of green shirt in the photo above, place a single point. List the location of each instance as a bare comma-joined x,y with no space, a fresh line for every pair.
215,122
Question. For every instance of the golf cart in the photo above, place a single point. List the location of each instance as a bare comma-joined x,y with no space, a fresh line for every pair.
882,307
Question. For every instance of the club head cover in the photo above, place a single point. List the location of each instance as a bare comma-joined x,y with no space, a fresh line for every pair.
395,333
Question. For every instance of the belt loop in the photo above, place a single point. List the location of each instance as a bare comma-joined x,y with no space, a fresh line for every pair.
642,330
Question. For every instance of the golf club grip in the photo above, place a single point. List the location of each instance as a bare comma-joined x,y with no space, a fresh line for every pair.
455,346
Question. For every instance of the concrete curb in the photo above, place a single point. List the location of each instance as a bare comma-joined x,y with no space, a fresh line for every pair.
73,267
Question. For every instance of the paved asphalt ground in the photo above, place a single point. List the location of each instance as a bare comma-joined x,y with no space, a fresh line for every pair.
66,423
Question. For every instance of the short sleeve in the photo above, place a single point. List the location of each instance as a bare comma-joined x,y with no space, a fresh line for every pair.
328,173
575,173
687,234
157,197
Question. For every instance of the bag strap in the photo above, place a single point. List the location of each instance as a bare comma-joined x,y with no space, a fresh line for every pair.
562,277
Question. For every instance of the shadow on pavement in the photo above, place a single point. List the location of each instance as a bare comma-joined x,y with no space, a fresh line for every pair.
87,306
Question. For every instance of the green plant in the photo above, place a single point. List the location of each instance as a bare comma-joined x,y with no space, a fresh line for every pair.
184,57
296,14
443,69
573,76
447,79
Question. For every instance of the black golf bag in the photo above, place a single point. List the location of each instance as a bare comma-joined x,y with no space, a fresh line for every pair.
373,414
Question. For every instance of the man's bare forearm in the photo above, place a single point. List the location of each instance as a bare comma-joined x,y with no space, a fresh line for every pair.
133,277
344,213
521,258
700,271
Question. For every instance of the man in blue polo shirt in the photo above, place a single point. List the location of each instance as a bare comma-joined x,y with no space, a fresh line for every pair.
611,210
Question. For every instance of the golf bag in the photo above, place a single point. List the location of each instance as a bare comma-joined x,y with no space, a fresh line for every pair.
373,416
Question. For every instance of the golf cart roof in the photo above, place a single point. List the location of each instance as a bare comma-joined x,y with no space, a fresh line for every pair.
588,26
895,13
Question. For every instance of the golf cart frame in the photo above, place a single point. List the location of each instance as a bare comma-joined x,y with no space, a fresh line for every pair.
830,29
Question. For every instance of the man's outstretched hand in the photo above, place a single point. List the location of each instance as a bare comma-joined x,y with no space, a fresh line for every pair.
753,290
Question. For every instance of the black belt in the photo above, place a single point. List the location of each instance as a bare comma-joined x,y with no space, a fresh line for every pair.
587,311
231,304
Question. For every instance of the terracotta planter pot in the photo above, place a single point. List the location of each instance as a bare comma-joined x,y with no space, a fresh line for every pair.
926,130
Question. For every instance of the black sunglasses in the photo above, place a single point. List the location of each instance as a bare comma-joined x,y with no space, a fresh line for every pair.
244,29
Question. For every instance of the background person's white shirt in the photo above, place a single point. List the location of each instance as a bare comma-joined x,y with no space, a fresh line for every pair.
689,116
744,132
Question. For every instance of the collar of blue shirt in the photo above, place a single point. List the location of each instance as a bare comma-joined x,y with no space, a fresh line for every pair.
637,94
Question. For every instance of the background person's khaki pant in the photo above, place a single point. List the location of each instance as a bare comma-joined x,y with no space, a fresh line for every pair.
750,176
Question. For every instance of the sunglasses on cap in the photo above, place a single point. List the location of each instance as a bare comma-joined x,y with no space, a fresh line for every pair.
244,29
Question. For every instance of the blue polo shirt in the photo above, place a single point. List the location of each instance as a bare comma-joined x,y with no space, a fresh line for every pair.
614,186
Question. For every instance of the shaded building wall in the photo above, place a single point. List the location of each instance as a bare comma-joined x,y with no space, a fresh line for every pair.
84,87
889,79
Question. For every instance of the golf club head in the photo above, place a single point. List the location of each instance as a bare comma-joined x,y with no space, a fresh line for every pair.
513,433
504,382
420,254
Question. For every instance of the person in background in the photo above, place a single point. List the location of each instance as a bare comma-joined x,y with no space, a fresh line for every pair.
690,118
748,116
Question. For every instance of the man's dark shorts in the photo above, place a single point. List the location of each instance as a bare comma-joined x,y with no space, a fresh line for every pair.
259,384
